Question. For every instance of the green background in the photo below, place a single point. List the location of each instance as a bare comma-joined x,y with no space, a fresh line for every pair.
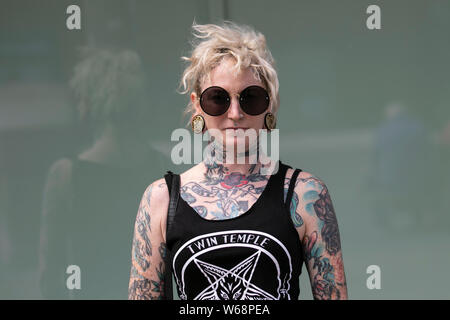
367,111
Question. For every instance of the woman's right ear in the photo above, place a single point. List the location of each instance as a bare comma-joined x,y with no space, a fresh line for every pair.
195,103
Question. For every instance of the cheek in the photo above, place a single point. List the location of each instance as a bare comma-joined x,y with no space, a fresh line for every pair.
256,122
212,122
213,125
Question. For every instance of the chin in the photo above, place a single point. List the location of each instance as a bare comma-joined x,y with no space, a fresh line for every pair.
237,145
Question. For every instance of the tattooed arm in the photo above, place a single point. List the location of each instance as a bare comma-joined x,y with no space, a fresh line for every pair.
315,220
149,247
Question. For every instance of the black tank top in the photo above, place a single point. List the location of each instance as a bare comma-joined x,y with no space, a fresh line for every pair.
255,256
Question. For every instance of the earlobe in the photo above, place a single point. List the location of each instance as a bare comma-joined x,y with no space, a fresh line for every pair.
198,124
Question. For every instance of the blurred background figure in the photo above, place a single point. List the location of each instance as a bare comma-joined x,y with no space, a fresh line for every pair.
443,142
5,245
91,197
400,170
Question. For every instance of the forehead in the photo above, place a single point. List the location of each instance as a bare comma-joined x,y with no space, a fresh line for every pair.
226,76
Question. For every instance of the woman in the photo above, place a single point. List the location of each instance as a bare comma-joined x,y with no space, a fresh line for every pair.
238,233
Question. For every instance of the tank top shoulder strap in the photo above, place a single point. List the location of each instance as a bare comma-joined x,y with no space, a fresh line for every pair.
276,181
168,177
173,185
292,187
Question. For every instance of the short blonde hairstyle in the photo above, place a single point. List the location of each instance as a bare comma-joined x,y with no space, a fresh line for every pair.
213,43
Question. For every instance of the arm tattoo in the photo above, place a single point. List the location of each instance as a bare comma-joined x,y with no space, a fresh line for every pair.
330,231
322,247
163,250
142,286
138,255
141,246
318,203
140,290
158,286
323,282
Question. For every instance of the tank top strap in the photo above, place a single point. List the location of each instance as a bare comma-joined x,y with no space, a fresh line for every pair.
292,187
168,178
173,185
276,181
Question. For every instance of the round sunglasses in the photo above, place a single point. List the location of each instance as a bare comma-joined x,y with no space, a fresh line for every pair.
215,101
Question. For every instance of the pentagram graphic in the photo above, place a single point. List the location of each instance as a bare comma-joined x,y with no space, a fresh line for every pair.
233,284
233,265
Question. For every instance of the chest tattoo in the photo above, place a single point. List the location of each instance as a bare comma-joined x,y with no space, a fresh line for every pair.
223,194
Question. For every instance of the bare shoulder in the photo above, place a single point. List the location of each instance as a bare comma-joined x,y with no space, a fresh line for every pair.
305,182
304,179
310,194
154,204
315,205
311,204
158,190
156,197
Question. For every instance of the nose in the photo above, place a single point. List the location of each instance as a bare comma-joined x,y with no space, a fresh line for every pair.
234,112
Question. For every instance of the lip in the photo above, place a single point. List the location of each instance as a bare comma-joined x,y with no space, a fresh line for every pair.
236,128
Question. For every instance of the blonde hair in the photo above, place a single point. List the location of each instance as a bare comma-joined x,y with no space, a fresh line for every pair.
214,43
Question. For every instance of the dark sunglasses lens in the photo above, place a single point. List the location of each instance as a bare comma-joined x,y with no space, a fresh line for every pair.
254,100
215,101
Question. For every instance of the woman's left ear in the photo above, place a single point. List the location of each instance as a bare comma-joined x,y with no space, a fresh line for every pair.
270,121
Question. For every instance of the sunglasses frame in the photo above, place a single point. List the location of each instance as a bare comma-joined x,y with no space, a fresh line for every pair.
239,98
